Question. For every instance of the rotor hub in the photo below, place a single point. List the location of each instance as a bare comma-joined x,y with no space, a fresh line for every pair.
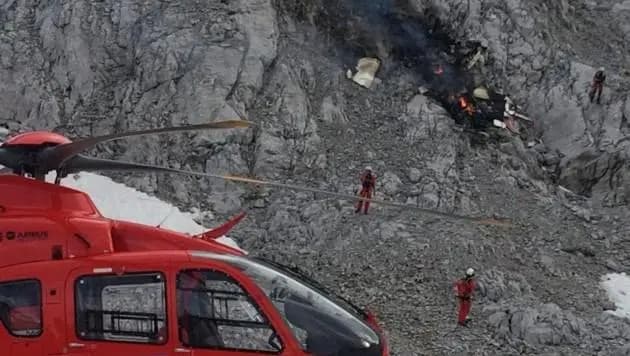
37,138
23,153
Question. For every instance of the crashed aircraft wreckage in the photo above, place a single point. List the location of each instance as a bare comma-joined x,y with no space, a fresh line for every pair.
479,110
483,109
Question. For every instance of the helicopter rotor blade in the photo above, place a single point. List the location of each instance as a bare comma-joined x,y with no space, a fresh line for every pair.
481,220
82,163
56,156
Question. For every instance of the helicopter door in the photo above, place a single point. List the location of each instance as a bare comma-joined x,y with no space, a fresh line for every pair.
221,313
120,313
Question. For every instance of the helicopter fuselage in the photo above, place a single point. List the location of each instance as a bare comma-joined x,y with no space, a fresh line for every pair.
73,282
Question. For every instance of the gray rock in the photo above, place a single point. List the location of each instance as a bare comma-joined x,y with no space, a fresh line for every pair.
414,175
547,325
388,231
612,327
294,140
583,213
551,159
622,351
558,100
259,203
85,68
612,265
507,181
495,285
391,183
333,113
609,306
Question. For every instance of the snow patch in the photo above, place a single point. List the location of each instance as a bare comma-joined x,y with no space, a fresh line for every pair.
618,287
120,202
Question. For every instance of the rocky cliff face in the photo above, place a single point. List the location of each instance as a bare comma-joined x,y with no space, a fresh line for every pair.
546,54
93,67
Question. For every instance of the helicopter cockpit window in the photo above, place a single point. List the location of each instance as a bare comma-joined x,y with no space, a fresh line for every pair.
21,307
127,308
323,323
215,312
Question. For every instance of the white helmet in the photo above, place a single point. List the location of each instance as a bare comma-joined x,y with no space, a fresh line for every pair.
470,272
602,69
368,168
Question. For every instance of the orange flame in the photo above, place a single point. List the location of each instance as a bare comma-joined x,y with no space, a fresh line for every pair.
463,103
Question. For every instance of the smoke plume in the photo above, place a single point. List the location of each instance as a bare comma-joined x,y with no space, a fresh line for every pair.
393,32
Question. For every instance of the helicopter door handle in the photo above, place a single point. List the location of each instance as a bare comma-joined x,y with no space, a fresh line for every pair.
182,350
76,345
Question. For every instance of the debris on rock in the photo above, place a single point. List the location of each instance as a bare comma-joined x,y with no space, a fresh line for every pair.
478,57
367,68
481,93
482,109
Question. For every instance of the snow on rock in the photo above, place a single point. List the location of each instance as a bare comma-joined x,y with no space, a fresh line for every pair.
117,201
618,287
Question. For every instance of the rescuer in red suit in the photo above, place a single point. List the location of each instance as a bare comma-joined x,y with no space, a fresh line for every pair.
368,184
598,84
465,288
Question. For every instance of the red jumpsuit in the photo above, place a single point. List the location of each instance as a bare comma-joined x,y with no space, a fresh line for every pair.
465,288
597,86
368,183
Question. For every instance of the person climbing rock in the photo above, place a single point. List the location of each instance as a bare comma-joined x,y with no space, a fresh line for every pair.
368,184
598,84
464,289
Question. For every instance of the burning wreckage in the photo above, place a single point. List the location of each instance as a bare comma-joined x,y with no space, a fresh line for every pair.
482,109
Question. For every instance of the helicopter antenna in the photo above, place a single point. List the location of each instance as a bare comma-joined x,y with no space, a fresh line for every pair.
166,217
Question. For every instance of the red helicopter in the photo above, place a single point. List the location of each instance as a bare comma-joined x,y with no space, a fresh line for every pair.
73,282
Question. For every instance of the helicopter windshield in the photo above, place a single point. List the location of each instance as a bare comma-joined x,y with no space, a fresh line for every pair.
322,326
